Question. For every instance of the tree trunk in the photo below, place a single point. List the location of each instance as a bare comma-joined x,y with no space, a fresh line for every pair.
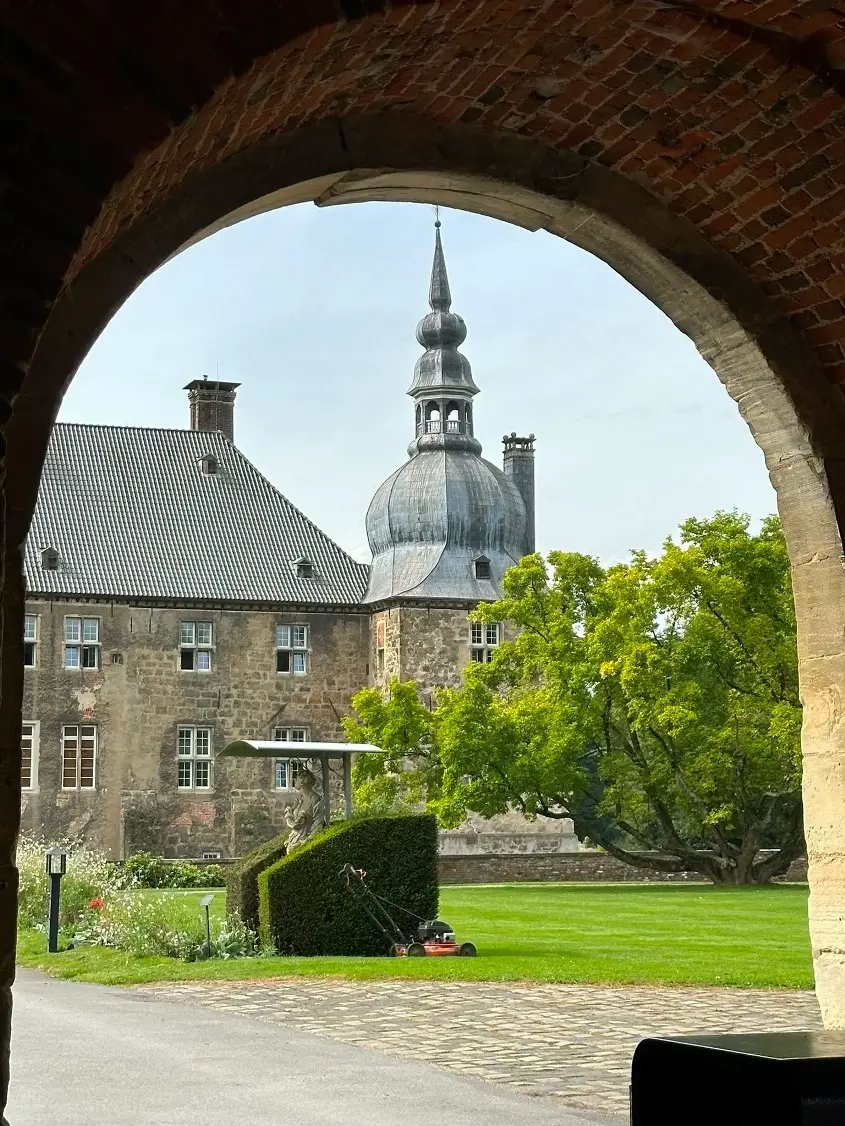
745,871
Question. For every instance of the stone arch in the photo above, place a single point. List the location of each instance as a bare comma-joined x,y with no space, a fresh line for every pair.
698,153
795,414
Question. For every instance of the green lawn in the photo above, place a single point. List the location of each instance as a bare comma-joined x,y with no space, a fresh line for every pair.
649,934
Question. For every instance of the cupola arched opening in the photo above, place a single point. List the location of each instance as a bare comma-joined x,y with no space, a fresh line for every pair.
432,418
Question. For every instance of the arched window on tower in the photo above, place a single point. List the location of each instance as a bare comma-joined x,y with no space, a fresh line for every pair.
454,423
419,419
468,419
432,418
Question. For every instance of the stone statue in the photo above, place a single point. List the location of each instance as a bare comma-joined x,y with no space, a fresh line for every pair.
302,817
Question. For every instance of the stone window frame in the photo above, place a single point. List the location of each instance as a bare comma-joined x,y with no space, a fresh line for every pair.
30,640
30,744
85,648
192,648
381,636
74,750
292,767
190,758
484,639
292,648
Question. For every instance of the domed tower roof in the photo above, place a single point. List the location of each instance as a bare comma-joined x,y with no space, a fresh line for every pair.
447,524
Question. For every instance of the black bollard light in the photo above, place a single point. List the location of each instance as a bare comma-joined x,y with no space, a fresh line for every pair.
56,864
206,902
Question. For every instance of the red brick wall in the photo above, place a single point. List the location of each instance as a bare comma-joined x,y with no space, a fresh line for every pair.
726,112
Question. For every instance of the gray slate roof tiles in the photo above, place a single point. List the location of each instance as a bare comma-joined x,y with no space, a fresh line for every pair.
134,516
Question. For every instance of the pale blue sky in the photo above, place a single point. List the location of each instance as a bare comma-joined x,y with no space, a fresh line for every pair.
313,312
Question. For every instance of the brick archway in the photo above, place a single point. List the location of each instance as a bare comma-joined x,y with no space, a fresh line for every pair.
699,153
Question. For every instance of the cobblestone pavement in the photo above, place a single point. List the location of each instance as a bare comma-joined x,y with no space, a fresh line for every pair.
570,1042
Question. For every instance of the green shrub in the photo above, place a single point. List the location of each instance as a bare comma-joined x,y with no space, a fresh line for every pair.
242,880
210,876
150,871
306,908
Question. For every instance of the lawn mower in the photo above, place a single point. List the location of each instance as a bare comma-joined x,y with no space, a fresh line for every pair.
431,938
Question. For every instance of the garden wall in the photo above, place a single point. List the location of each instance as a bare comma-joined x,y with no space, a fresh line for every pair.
575,867
563,867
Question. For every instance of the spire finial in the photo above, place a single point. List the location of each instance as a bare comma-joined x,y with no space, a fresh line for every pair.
439,295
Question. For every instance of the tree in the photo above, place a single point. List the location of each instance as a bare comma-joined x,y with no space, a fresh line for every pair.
655,703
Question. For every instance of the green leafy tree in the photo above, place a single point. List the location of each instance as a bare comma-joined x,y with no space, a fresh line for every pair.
655,703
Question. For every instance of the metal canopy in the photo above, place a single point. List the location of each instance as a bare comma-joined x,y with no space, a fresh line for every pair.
266,748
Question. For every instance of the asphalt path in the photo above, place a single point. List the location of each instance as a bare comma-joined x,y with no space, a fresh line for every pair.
88,1055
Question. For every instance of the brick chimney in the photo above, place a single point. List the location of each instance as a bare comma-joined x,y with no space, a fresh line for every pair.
519,467
212,405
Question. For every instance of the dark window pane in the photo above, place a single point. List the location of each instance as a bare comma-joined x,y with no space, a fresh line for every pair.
186,659
282,660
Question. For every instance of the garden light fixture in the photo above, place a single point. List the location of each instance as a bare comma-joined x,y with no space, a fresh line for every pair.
206,902
56,866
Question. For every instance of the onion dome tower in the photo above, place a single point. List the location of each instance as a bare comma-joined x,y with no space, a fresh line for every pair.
446,526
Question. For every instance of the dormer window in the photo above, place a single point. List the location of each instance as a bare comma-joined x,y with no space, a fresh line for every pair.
304,569
208,464
49,559
482,568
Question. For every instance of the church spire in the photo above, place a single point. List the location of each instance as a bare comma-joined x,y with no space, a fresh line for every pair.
439,294
442,387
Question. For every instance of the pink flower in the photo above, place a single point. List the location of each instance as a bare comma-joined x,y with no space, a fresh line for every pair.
96,904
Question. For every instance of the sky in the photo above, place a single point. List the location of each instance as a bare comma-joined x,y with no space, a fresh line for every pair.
313,312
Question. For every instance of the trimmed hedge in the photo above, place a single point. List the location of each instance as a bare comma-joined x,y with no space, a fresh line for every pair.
242,879
305,906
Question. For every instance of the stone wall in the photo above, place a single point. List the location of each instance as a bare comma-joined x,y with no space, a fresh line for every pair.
434,646
429,645
579,867
509,833
385,647
139,698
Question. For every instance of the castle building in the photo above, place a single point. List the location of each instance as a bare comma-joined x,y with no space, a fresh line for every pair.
176,601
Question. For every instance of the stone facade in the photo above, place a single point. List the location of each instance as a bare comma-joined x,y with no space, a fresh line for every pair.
427,644
124,737
139,698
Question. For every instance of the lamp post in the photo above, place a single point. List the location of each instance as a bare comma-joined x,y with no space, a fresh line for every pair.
56,866
206,902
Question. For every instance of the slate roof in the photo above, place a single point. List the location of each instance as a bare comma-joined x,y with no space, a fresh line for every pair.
134,516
